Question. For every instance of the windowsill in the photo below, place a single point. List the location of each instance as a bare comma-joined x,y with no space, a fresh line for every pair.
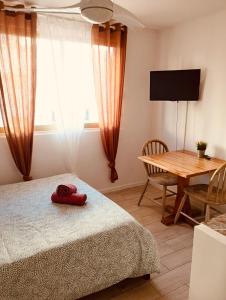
39,129
53,128
91,125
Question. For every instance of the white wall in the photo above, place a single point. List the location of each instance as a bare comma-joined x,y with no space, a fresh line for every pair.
196,44
135,129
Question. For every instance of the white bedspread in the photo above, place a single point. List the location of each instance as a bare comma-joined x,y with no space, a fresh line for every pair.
54,251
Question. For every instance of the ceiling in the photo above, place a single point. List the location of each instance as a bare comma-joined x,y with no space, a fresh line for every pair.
157,13
164,13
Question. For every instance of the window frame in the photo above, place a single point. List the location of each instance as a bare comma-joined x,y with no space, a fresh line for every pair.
91,125
51,127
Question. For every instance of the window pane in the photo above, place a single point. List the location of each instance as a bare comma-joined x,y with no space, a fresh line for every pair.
78,69
92,114
44,114
79,73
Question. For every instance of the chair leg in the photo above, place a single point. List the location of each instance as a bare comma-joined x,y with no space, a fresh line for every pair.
142,194
164,200
205,205
207,216
180,208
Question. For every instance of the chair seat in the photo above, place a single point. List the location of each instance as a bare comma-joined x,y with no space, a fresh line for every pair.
165,179
199,191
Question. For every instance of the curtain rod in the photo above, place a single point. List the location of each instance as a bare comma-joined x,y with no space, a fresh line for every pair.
37,10
25,9
12,9
112,26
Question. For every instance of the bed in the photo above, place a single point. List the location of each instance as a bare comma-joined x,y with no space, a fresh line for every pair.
55,251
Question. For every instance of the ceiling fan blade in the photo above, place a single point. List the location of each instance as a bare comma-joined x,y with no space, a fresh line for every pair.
127,18
77,5
44,10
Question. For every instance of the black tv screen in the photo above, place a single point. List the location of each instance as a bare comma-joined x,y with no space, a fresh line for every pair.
175,85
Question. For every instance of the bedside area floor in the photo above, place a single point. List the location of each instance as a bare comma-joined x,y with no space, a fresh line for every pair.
175,247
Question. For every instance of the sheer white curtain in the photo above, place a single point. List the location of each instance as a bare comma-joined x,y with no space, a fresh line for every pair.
65,54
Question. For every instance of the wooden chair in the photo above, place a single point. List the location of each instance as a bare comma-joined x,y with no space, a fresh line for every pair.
212,194
157,175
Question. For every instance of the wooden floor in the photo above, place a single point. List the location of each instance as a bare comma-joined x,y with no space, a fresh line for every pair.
175,247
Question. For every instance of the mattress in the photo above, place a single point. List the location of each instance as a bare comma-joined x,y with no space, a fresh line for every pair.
55,251
218,223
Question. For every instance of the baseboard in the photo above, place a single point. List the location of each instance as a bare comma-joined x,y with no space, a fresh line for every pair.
121,187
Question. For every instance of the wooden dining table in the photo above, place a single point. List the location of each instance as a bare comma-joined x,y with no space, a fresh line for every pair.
185,164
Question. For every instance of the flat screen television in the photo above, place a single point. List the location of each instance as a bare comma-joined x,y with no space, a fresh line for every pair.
175,85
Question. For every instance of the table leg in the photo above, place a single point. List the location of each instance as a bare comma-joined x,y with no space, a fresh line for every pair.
182,183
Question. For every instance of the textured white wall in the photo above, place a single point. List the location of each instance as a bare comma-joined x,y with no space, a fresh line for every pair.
198,44
135,129
201,44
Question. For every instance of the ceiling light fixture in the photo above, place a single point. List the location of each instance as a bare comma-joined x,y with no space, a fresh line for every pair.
97,12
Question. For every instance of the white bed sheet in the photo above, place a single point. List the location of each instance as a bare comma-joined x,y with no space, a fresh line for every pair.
54,251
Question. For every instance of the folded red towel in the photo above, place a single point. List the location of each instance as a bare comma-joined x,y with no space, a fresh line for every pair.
73,199
66,189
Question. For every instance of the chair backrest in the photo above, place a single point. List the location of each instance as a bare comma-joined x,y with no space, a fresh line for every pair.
153,147
217,186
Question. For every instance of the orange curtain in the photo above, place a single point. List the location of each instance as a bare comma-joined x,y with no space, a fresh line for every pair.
18,85
109,56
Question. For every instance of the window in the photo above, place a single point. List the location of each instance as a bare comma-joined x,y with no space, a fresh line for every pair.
48,86
47,93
